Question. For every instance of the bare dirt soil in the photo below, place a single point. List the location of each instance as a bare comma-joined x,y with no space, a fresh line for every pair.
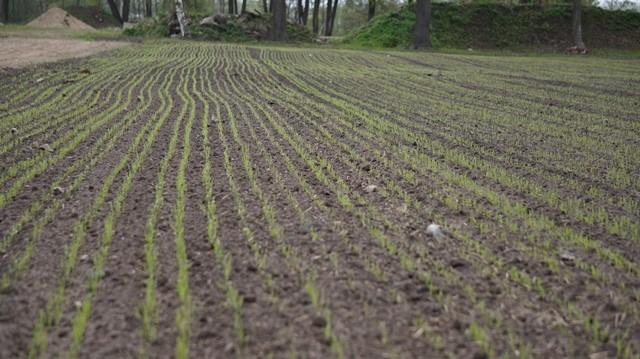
215,201
22,51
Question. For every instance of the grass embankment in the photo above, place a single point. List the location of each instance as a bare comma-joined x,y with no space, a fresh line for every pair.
494,26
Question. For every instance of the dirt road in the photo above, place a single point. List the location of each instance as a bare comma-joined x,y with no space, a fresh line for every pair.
20,51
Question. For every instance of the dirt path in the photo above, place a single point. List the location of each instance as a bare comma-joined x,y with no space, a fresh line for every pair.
20,52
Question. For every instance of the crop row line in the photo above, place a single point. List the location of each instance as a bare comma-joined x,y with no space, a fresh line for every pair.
52,312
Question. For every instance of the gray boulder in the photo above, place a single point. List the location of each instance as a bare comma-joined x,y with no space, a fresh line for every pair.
208,21
220,19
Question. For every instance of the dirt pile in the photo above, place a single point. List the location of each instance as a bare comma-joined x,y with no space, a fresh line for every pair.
58,18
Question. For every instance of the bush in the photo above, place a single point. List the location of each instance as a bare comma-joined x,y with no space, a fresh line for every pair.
149,27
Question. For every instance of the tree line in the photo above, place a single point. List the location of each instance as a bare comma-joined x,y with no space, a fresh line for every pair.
323,13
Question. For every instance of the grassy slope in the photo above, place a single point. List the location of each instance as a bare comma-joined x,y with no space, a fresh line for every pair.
491,26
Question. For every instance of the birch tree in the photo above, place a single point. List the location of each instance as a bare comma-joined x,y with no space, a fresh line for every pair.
181,18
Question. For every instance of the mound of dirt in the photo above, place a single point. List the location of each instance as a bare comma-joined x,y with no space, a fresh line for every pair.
57,18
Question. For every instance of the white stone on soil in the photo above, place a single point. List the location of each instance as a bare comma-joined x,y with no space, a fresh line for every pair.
435,231
371,188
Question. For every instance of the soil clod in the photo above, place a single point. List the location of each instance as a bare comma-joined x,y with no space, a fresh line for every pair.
319,321
309,227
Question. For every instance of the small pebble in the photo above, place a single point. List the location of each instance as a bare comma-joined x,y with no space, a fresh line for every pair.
365,166
435,231
58,190
309,227
77,304
319,321
567,257
84,257
371,188
45,147
14,130
458,263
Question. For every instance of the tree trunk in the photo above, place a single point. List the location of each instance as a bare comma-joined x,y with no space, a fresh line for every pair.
578,45
181,18
333,16
372,9
315,21
278,21
265,7
327,19
303,12
244,6
114,10
5,11
420,39
126,7
148,8
305,16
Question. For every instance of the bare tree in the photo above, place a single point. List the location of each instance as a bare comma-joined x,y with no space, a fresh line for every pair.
421,39
181,18
331,13
148,8
578,45
278,21
114,10
372,9
126,8
5,10
316,17
303,12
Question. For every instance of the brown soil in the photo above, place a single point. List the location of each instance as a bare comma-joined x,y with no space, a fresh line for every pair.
20,51
461,298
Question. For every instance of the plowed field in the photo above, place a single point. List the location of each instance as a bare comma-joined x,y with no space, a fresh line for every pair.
212,201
